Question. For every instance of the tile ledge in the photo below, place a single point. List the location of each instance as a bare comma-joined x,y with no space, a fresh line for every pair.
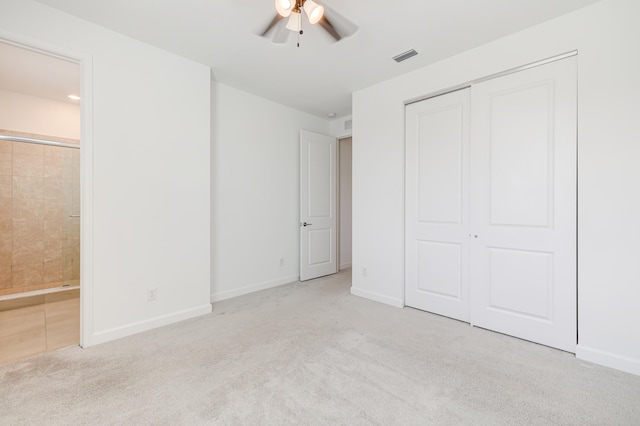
39,292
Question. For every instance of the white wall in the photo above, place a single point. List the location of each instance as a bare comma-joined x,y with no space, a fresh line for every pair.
255,191
149,172
606,36
31,114
341,127
345,147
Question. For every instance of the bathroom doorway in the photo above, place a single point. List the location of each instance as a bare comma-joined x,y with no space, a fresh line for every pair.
345,166
39,202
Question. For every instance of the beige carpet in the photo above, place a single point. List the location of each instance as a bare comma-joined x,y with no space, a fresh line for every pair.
310,353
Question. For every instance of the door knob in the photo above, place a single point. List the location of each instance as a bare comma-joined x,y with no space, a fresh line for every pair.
307,224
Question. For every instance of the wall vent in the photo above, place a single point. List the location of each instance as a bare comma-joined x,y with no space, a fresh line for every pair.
405,55
348,124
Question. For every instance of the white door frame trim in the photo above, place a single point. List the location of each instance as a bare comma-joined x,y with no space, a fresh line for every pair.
86,170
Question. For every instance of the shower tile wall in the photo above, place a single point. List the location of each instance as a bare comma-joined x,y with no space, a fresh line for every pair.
39,242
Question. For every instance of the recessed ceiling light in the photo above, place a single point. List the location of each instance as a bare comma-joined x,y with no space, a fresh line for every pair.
331,114
74,97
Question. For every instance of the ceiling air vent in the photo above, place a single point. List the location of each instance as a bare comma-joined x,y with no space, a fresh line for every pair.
404,56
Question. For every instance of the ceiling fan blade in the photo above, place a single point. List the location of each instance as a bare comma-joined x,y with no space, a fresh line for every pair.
337,25
272,24
328,26
281,34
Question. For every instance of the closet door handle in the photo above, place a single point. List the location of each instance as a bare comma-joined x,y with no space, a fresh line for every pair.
307,224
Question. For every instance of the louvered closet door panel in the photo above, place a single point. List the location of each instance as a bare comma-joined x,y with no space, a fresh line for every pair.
523,204
436,252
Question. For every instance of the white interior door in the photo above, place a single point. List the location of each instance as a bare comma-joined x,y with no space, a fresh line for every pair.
318,205
523,204
437,210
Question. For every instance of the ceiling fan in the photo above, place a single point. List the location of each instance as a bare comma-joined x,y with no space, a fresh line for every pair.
332,22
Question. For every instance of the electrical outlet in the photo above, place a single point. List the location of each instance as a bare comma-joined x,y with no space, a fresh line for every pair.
282,261
152,294
364,272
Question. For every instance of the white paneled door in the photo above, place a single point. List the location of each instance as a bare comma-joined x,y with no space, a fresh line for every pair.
491,218
437,207
318,202
523,201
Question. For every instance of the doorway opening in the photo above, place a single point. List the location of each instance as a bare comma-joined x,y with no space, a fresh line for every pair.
325,204
344,202
39,201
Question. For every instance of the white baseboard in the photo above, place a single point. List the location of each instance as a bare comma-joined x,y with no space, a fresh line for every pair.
607,359
228,294
138,327
345,265
377,297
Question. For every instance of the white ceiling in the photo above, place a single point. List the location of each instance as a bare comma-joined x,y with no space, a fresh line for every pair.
33,73
319,76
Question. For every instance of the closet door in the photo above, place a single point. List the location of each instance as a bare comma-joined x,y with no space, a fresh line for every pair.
437,210
523,203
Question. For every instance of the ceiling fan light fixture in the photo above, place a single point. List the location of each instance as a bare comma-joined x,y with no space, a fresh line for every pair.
314,11
295,22
284,7
292,10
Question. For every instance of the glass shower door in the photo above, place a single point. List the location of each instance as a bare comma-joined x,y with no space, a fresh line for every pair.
70,216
